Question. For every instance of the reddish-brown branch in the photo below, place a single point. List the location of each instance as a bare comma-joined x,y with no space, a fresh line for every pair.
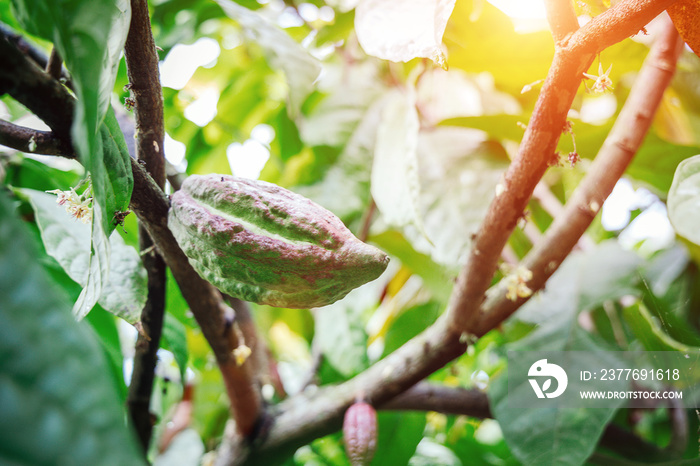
619,147
144,76
561,17
212,314
573,56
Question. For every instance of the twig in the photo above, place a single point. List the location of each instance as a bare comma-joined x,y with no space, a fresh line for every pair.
55,65
144,76
32,140
573,56
618,149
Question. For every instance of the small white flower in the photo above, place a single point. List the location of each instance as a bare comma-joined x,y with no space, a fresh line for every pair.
76,206
602,83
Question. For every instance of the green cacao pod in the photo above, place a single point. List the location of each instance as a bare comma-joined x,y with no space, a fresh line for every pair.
262,243
360,433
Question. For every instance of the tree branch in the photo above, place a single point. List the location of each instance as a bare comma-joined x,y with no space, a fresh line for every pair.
426,396
52,103
144,77
573,56
36,90
561,18
22,139
617,152
34,53
304,417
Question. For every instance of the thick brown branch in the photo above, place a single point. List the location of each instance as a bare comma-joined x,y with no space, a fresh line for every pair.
144,83
426,396
36,90
32,140
622,143
142,69
34,53
302,418
212,314
561,17
573,57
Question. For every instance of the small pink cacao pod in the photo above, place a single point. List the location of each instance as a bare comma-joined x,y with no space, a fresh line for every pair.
360,433
262,243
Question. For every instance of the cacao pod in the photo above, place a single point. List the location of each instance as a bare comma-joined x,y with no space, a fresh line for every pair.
262,243
360,433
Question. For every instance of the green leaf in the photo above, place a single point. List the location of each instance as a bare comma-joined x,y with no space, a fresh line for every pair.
55,405
105,327
409,324
398,436
684,200
563,435
68,241
649,332
345,188
342,337
175,340
349,91
395,181
90,36
459,171
300,68
557,435
657,161
435,277
584,281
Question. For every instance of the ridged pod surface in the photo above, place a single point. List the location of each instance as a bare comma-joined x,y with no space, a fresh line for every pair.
262,243
360,433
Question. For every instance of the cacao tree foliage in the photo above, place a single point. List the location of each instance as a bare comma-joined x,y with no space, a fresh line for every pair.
401,118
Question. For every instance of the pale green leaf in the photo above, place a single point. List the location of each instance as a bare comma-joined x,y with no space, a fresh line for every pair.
350,90
684,200
300,68
342,337
400,31
459,171
122,289
560,434
186,449
395,181
57,402
584,281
